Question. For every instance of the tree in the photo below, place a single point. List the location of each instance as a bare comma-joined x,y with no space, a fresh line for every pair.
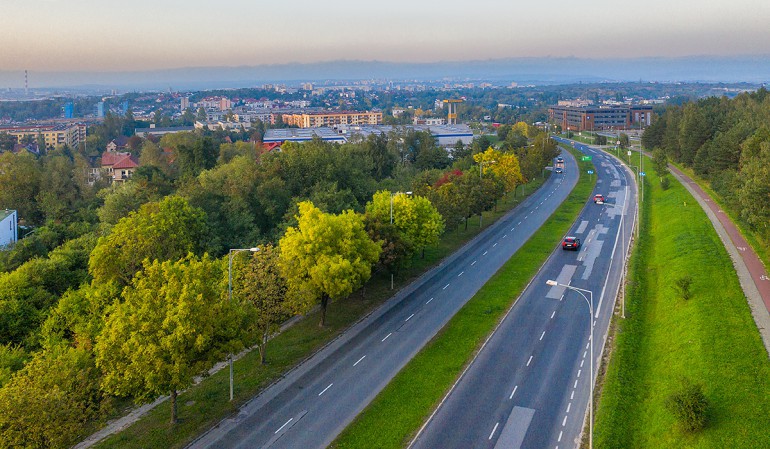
415,218
660,162
174,323
19,185
51,400
505,166
325,258
263,290
166,230
623,138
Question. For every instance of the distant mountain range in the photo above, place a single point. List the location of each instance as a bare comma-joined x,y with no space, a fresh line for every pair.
546,70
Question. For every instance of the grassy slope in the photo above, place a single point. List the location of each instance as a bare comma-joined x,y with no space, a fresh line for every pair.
710,339
401,408
204,405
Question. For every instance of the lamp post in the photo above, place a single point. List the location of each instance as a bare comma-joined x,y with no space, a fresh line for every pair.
591,343
481,175
392,194
232,252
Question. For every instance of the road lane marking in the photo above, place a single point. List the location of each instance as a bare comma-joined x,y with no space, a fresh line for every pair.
518,223
579,371
410,317
445,287
284,425
575,384
572,396
359,361
485,253
530,360
559,440
584,353
493,431
431,299
494,245
506,235
461,273
474,263
569,406
513,392
564,422
543,335
386,337
582,362
324,391
552,314
513,228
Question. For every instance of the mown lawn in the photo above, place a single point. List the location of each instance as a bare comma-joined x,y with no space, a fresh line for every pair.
710,339
396,414
203,405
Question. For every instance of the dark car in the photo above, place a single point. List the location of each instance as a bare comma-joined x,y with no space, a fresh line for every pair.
572,243
558,170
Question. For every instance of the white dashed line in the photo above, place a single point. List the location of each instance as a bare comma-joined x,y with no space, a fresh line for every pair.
485,253
494,245
330,385
572,396
543,335
530,360
386,337
506,235
359,361
410,317
575,386
284,425
445,287
461,273
584,353
582,362
518,223
564,422
579,372
569,406
554,313
493,431
431,299
513,392
473,263
513,228
559,440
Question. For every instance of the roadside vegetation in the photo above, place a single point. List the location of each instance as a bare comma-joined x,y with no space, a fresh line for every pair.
396,414
688,368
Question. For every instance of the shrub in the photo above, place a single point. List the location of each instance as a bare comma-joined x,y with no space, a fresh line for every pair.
683,286
690,406
665,183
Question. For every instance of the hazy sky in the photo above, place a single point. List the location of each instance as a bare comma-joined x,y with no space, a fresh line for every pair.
112,35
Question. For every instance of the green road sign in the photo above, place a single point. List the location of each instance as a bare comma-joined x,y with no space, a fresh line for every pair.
585,158
590,172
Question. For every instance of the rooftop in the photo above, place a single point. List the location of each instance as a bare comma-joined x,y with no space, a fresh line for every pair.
5,213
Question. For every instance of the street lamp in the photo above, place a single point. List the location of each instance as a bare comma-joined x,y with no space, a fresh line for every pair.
230,298
590,303
392,194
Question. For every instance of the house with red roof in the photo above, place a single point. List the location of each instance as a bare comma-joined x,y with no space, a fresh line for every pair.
118,167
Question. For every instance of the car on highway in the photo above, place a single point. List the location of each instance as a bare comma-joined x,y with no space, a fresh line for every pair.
570,242
599,198
558,170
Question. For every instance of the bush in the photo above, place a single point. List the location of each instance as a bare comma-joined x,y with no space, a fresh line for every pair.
683,286
665,183
689,406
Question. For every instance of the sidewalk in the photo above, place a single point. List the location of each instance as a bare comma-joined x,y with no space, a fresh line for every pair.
751,271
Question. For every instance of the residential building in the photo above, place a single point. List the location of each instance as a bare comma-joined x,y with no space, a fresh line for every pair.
319,119
53,135
184,104
9,228
117,167
118,144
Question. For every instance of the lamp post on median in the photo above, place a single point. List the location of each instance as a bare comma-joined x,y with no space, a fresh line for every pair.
590,303
231,253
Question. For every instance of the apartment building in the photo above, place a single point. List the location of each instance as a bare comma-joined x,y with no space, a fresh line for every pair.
319,119
53,135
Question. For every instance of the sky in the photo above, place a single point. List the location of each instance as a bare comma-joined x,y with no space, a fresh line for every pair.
135,35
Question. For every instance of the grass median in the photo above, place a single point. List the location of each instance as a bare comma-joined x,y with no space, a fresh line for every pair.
710,339
205,404
401,408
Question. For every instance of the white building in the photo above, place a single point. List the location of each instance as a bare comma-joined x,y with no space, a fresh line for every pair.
9,231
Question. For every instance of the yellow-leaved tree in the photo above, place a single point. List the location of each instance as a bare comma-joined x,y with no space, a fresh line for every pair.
325,258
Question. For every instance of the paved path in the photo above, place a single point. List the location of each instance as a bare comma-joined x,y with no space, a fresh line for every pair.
752,273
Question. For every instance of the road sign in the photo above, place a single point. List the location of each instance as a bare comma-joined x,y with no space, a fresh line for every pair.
642,174
590,172
585,158
629,152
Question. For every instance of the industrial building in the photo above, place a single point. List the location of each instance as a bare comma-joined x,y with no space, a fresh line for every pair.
446,135
596,118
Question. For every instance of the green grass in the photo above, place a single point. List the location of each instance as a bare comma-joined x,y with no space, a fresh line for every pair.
710,339
203,405
395,415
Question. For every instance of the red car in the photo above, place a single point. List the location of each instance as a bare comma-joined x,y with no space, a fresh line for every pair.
599,198
570,242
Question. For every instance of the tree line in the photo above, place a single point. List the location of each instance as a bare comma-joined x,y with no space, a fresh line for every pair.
122,290
727,142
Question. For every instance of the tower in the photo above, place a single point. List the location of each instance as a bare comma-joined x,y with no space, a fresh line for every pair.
26,84
451,118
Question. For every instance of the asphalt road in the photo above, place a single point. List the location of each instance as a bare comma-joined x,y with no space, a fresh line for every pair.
529,386
313,403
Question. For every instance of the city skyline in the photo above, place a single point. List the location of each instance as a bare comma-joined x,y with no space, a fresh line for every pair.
89,35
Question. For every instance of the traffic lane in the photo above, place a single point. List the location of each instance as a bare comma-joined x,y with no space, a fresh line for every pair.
474,392
291,400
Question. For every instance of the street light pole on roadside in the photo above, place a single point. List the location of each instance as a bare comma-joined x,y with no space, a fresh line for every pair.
231,253
590,303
